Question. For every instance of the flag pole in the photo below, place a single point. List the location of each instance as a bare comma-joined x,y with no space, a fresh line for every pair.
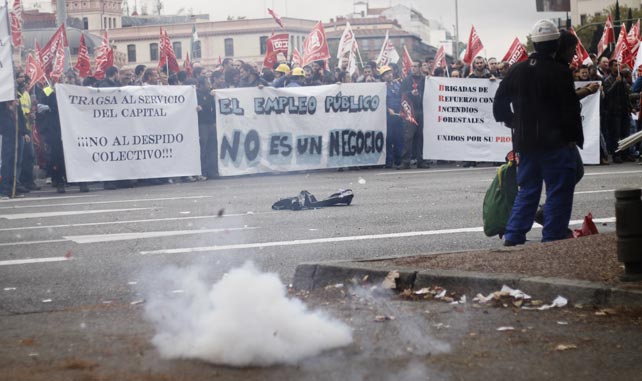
15,113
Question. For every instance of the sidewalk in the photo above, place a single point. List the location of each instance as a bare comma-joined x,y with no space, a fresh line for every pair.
584,270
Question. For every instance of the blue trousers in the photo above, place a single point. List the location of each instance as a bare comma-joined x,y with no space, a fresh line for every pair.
557,169
394,140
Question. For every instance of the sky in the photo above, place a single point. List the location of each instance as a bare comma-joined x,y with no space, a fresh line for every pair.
497,22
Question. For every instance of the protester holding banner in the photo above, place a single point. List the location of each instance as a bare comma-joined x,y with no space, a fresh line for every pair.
413,133
27,155
537,100
9,126
319,73
617,108
394,124
207,129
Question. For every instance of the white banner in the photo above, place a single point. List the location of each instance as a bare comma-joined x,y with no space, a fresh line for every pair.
7,77
300,128
129,132
459,123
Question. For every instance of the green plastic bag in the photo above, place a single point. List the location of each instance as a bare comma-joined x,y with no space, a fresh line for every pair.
499,200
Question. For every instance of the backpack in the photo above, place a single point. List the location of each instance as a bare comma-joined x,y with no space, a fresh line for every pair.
499,200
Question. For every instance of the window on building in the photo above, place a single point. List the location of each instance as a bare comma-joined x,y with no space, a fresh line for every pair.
292,46
178,49
131,53
109,23
153,51
229,47
85,23
196,49
104,23
115,26
263,44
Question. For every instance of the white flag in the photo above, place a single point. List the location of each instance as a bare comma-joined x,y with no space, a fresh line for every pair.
388,53
345,44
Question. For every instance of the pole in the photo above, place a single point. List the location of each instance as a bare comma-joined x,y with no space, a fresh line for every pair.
456,30
15,149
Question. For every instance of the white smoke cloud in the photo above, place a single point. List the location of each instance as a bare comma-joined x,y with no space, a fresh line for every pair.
245,319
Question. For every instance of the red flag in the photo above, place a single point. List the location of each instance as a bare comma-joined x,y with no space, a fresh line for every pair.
83,64
104,58
622,52
296,58
16,24
516,53
440,60
278,43
406,63
48,53
407,112
608,37
276,18
474,46
167,55
187,64
59,63
315,46
581,55
34,71
633,38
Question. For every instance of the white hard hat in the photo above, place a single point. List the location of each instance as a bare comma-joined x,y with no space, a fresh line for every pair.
544,30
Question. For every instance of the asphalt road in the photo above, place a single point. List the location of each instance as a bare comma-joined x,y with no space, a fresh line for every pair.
80,249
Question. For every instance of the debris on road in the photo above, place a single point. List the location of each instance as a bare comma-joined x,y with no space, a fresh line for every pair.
390,283
382,318
508,328
565,347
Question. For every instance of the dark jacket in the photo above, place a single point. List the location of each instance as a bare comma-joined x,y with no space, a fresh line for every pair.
8,124
546,108
108,83
616,96
207,115
409,83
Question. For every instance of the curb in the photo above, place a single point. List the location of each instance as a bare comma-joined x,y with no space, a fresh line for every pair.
311,276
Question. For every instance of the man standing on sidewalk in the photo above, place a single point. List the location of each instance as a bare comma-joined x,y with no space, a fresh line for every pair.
537,101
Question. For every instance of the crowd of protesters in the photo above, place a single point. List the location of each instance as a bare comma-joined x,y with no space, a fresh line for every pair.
40,140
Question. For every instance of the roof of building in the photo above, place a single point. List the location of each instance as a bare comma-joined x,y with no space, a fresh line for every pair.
43,35
135,20
371,33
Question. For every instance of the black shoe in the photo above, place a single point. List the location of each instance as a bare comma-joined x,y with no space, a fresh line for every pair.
403,166
32,186
510,243
617,160
539,216
60,188
84,188
423,166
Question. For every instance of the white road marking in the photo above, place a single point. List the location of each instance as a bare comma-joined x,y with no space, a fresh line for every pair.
19,216
33,260
259,245
433,171
43,198
95,238
597,191
32,242
611,173
106,202
128,221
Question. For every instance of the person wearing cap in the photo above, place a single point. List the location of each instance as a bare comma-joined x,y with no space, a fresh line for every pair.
413,134
537,101
394,125
280,75
295,78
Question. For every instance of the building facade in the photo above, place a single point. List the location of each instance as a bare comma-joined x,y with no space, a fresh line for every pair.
582,10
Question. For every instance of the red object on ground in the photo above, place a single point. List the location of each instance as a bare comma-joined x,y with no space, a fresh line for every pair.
588,227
